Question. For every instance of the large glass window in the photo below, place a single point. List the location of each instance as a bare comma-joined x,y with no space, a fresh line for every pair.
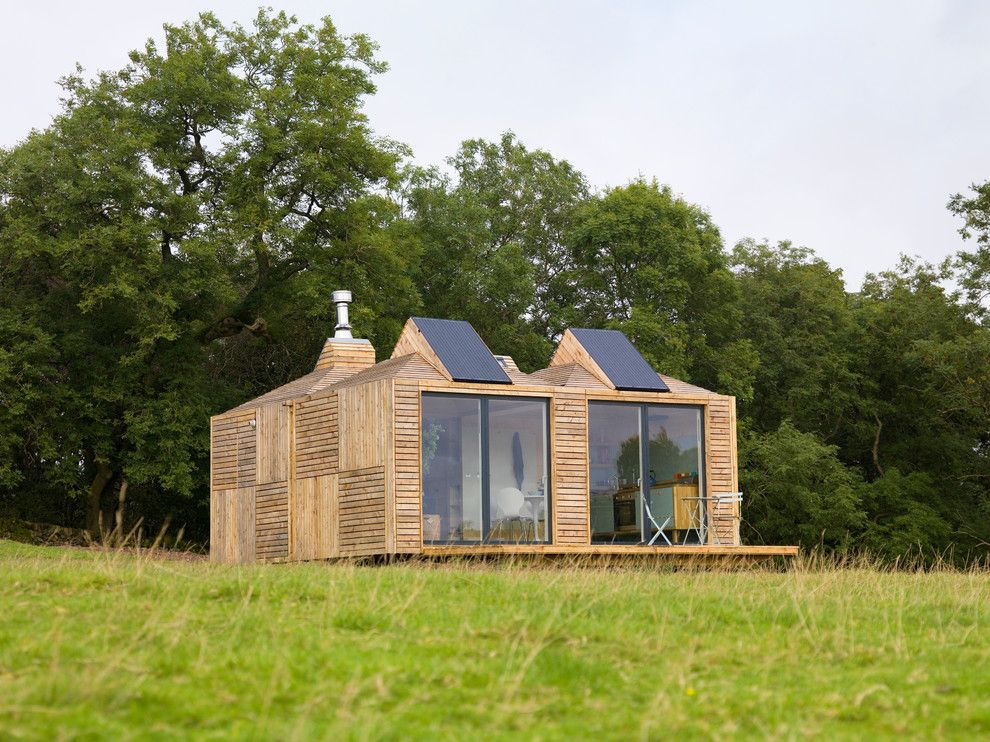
451,461
676,490
628,506
517,469
615,468
484,466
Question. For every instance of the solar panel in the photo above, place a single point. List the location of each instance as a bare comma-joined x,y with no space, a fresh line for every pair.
620,360
461,350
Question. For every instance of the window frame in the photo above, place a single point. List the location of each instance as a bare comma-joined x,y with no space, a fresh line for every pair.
644,455
484,399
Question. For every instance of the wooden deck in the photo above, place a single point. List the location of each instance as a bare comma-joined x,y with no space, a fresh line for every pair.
678,553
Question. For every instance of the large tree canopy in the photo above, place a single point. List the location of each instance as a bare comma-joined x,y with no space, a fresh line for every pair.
202,195
169,243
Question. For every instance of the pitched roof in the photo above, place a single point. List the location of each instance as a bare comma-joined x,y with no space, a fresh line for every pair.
619,360
461,350
412,366
682,387
409,366
312,382
568,374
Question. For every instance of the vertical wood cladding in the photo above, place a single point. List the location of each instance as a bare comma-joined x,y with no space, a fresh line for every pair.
365,419
273,443
232,535
314,518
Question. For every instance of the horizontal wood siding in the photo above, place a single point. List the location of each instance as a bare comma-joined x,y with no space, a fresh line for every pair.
314,518
408,484
233,447
570,468
272,521
339,353
362,511
721,462
316,436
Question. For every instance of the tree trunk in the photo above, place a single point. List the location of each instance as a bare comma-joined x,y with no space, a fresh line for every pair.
103,476
119,515
876,444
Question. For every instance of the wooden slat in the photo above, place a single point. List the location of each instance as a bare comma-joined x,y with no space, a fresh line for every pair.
315,518
362,512
316,436
272,520
569,451
272,443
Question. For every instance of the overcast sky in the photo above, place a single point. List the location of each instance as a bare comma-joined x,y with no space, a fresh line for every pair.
843,126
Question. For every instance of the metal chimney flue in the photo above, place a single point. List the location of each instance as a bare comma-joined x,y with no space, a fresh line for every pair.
343,328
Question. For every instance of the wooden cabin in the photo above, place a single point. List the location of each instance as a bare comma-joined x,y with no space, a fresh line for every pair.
445,448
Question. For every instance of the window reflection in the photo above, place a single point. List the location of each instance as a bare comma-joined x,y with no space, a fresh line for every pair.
614,467
517,469
484,468
451,463
673,481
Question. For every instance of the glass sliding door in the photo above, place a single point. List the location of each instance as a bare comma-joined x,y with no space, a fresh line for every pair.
615,472
451,465
676,486
517,469
646,473
485,464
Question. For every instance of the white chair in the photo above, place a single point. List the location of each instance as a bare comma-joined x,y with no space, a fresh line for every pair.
508,505
658,526
724,506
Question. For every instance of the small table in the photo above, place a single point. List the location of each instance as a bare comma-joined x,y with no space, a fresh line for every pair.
534,502
699,519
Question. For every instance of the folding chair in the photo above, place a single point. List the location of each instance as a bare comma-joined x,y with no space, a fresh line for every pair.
729,499
659,527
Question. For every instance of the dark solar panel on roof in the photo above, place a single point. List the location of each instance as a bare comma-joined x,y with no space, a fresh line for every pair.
620,360
461,350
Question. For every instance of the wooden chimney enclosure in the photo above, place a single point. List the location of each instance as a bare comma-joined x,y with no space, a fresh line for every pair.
330,465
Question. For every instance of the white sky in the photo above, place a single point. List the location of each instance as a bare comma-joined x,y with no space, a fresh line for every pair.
843,126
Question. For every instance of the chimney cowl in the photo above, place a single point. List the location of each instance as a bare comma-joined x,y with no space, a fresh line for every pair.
342,299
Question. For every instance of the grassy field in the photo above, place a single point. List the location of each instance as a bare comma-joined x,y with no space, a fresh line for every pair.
109,645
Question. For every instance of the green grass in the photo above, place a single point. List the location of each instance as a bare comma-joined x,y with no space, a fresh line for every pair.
103,645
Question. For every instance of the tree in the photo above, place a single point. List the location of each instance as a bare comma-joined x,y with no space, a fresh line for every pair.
194,204
974,267
798,491
929,370
652,264
492,240
799,320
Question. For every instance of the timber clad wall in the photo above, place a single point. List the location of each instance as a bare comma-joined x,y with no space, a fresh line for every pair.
408,497
329,465
362,511
233,447
721,463
569,443
272,521
314,518
316,436
366,436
